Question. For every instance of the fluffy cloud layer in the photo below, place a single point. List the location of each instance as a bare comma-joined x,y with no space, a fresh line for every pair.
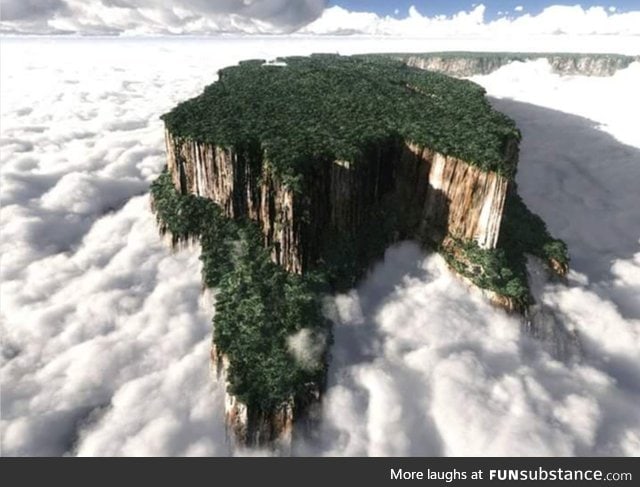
140,17
423,367
556,19
105,333
152,17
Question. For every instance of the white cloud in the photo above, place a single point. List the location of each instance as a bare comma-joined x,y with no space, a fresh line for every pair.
307,347
434,370
519,8
96,311
152,17
555,19
560,93
337,20
99,318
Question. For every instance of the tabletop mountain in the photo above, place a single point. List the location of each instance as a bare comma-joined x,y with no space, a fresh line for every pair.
296,175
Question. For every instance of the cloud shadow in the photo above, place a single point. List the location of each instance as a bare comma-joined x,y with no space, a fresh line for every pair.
583,182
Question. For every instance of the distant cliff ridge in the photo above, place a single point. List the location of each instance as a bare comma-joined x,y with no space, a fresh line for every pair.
297,176
465,64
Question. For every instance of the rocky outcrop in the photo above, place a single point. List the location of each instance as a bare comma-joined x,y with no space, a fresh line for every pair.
253,428
463,65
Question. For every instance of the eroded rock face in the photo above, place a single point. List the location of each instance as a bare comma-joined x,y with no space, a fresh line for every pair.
455,198
462,66
586,65
458,67
231,181
465,200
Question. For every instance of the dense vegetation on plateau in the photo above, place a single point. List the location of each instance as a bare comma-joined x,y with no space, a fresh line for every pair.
329,106
259,306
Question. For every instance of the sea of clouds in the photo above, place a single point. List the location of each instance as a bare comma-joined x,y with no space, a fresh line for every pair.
106,334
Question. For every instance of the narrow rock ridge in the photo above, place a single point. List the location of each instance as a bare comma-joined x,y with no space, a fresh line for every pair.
463,65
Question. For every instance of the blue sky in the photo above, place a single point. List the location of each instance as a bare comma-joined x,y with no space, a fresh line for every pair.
448,7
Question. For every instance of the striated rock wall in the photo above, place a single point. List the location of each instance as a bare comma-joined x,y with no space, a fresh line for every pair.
472,64
464,200
448,195
457,66
588,65
239,184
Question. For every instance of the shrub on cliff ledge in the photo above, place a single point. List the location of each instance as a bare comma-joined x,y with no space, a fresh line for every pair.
522,231
189,218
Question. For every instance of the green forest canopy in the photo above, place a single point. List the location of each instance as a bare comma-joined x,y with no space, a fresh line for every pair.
327,106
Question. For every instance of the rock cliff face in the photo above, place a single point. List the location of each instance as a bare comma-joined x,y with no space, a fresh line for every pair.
457,66
589,65
463,199
453,198
463,65
241,188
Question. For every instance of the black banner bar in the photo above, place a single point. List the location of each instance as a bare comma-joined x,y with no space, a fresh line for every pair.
330,472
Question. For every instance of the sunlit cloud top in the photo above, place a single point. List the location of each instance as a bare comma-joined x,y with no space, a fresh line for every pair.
316,17
555,19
